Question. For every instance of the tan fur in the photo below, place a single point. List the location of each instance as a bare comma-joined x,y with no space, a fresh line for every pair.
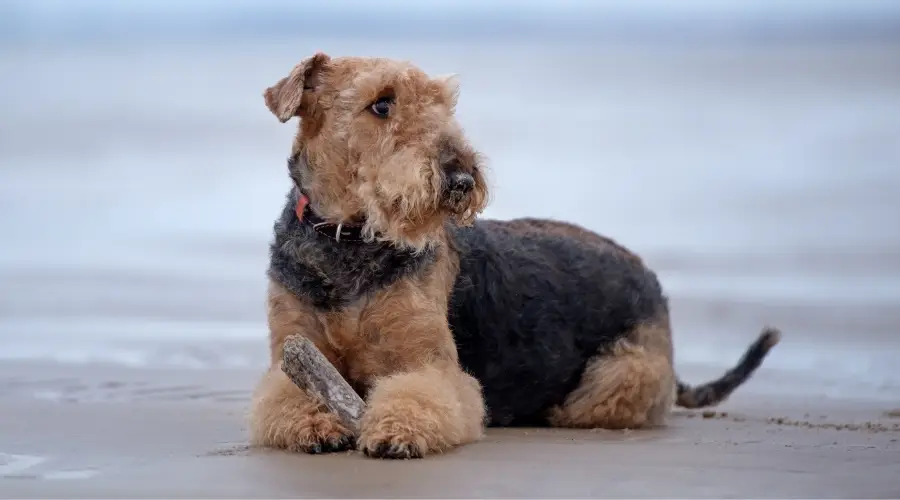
285,417
630,387
363,165
396,349
430,409
285,98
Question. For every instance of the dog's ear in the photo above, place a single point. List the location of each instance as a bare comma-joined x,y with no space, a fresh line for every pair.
450,85
285,99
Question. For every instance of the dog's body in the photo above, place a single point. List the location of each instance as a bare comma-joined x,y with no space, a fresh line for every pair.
441,322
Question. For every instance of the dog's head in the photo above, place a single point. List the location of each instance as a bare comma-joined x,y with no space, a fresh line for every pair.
378,143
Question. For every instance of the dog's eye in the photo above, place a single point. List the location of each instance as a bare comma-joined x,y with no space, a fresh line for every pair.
382,107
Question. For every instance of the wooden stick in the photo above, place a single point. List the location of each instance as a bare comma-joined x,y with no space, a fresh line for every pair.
307,367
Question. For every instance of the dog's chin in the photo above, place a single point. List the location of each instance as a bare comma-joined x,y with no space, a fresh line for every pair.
459,209
458,215
414,235
418,241
420,228
455,202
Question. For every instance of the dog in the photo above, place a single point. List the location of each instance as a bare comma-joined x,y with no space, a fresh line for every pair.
444,322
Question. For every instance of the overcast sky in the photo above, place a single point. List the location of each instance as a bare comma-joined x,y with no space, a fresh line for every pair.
77,19
643,8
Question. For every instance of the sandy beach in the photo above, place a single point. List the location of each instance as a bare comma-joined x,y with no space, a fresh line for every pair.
107,432
760,180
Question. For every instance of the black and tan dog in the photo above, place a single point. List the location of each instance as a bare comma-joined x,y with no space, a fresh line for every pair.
442,322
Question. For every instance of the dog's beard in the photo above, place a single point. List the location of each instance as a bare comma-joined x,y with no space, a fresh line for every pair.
463,208
457,206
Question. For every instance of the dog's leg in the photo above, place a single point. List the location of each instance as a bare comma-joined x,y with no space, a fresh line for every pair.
283,415
427,410
630,386
420,401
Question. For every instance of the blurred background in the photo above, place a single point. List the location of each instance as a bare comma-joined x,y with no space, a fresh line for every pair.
748,149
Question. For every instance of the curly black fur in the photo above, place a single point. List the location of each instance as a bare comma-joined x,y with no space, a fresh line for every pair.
330,274
529,310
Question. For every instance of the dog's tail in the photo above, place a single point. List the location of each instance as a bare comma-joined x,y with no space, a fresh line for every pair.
716,391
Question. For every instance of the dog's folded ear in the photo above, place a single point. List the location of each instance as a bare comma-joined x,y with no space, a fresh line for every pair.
450,86
285,99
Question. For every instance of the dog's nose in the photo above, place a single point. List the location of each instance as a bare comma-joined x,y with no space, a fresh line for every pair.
461,182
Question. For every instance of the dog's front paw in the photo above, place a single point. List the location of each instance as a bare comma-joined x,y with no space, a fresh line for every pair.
404,428
319,433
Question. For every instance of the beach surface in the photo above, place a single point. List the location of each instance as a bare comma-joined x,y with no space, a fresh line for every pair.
108,432
760,182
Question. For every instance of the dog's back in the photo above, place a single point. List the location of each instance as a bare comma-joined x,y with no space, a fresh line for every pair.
534,301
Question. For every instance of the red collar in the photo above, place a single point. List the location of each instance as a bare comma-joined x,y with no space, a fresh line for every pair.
337,232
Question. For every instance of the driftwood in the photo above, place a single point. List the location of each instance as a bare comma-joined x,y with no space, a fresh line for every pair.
307,367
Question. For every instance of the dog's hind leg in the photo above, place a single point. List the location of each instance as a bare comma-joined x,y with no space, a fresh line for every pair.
628,386
633,384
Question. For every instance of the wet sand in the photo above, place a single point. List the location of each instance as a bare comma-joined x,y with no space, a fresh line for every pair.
103,432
